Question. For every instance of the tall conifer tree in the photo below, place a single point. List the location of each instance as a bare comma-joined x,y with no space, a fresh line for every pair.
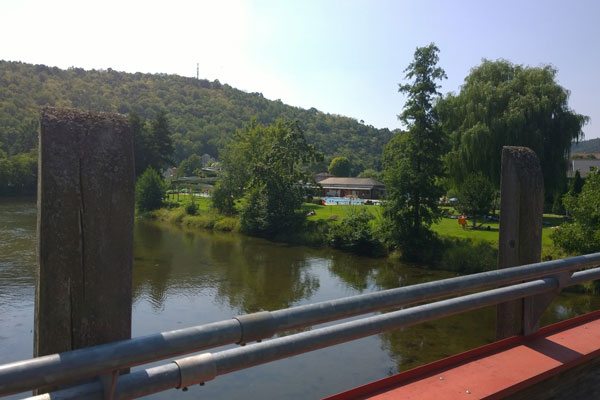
412,159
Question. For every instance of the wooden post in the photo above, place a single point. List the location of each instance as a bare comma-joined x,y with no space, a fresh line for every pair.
520,242
85,230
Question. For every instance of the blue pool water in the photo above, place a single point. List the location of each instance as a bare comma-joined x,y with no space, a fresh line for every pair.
346,201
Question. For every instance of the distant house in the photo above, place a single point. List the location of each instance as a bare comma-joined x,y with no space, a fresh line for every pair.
583,165
170,173
206,160
362,188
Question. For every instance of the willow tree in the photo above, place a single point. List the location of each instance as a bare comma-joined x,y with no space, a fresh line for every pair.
412,159
502,104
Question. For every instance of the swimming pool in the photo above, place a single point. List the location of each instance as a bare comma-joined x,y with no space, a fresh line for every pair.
346,201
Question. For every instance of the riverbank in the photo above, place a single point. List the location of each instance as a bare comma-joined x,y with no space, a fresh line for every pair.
467,251
205,219
455,249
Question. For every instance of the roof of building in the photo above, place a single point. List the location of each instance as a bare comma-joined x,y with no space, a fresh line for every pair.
321,176
335,181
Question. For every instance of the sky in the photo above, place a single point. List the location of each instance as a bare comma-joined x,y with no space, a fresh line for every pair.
342,57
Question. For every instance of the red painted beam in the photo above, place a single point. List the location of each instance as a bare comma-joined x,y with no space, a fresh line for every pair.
496,370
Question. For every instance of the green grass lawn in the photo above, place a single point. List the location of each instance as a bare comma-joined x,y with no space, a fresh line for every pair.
450,227
202,202
341,211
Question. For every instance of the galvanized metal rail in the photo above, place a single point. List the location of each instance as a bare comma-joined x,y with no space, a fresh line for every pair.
104,360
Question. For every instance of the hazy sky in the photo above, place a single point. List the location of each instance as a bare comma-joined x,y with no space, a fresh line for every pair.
343,57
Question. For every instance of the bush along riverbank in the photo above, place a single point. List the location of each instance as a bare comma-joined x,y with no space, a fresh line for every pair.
203,220
353,229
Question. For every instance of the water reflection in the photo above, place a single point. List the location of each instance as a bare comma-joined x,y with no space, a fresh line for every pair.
256,275
356,272
247,274
250,275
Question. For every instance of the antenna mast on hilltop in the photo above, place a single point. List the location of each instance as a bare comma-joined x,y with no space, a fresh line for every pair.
197,71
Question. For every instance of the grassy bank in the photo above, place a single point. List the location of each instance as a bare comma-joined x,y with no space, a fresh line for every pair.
446,227
456,249
462,250
204,216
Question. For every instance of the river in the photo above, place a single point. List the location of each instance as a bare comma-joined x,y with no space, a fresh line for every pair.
184,279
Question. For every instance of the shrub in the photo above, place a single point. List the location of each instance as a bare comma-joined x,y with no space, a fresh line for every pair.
177,215
582,236
227,224
467,255
576,238
191,208
170,204
206,221
355,234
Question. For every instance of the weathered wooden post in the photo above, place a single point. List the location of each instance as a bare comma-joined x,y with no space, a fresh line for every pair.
85,230
520,242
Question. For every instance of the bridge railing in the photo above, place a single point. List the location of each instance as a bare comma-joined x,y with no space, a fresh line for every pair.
106,361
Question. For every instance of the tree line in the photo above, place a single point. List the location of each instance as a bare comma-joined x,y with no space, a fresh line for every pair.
451,143
454,142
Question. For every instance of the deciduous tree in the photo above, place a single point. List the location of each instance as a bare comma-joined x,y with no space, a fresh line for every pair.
189,165
582,236
340,166
262,167
149,191
475,196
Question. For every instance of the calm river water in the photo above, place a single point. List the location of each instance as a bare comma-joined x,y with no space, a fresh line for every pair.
183,279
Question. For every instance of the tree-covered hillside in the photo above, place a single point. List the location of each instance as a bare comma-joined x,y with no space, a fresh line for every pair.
586,146
203,115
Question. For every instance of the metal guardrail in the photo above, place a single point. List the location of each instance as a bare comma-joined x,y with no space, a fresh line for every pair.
106,360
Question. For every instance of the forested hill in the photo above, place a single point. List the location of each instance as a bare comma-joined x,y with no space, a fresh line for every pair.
203,115
586,146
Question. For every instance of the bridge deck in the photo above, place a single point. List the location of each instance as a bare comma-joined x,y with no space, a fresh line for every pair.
497,370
